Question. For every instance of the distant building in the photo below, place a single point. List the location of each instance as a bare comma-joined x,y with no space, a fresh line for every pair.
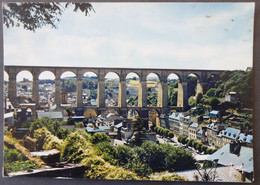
201,135
9,119
64,98
230,96
100,129
8,106
24,114
247,139
184,125
236,155
174,121
214,115
78,118
53,115
227,136
223,174
213,130
231,134
193,129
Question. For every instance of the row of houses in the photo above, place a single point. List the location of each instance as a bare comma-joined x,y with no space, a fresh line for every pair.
214,134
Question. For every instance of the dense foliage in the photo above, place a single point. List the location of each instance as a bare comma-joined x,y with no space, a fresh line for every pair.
15,161
99,137
32,16
195,144
52,125
147,158
77,148
164,132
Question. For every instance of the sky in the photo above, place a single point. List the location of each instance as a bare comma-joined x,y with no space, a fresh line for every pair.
141,35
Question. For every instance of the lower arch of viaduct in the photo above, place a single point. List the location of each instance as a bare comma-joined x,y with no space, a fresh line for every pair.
182,74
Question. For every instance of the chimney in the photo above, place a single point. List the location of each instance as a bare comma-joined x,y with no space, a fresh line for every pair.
235,148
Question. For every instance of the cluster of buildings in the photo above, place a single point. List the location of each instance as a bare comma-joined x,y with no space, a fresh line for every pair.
234,146
206,129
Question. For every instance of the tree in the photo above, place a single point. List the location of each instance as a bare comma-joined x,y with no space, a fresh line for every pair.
170,135
99,137
137,131
189,143
192,101
32,16
211,92
198,98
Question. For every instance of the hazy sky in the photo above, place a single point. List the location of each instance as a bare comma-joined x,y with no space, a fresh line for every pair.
141,35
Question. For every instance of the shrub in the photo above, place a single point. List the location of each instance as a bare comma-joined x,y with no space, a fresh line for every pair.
78,124
19,166
209,151
198,147
15,161
99,137
189,143
194,144
11,155
170,135
78,149
52,125
169,177
45,140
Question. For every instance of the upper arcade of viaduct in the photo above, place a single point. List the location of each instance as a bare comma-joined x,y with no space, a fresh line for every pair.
142,73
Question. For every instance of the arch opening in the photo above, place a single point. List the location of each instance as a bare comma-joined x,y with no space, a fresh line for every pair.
152,81
132,88
68,84
89,89
111,89
24,84
132,114
153,118
192,90
172,84
46,89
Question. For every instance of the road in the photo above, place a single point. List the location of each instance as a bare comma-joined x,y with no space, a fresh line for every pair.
175,143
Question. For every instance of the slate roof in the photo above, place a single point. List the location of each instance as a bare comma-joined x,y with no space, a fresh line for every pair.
230,133
213,126
213,112
176,116
52,115
245,138
200,132
98,129
194,125
223,174
119,125
227,159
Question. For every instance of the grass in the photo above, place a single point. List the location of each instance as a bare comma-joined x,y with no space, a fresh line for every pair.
18,146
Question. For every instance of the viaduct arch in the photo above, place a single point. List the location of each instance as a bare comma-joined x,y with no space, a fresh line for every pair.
163,74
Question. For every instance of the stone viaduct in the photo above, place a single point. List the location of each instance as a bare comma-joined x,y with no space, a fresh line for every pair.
122,108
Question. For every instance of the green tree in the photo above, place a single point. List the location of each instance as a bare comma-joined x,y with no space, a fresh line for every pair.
211,92
170,135
32,16
191,101
156,155
189,143
99,137
199,98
